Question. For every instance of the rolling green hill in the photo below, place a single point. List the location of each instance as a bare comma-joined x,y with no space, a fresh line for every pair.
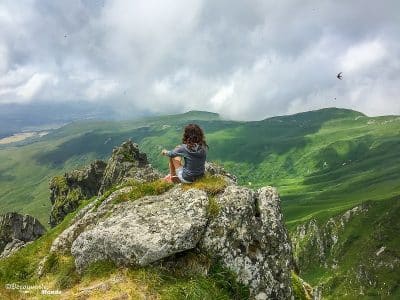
323,163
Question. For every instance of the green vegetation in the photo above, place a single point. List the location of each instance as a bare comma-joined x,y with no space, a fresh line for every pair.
211,184
299,291
322,162
139,190
213,207
172,284
359,268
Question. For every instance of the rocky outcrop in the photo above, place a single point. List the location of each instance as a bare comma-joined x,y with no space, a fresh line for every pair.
249,237
127,162
67,191
16,231
239,228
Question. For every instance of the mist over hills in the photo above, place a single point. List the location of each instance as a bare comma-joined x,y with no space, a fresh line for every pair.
17,117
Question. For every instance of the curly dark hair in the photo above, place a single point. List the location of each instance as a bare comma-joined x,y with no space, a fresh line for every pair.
193,134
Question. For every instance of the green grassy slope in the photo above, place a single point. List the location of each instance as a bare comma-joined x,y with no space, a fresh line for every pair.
366,256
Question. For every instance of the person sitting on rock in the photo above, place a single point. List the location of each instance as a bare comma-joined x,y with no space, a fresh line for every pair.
193,150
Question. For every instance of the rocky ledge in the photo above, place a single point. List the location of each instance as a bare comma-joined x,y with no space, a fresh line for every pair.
240,228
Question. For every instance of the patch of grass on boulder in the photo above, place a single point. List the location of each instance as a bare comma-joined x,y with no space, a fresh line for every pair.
211,184
141,189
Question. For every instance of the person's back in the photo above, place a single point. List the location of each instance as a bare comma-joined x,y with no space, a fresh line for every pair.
195,158
194,152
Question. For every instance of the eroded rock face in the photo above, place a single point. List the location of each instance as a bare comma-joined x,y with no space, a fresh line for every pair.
145,231
67,191
16,231
249,237
127,162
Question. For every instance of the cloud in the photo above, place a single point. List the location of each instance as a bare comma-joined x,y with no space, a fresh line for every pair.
32,87
244,60
362,56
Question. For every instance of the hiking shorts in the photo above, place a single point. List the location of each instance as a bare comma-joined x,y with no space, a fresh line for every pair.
180,175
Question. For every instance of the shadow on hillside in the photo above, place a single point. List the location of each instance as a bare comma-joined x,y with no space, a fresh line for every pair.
6,177
99,143
360,158
253,142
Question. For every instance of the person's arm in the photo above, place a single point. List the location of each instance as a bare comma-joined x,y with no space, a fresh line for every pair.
178,151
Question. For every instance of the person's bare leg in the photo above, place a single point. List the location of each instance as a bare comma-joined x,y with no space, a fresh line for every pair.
174,163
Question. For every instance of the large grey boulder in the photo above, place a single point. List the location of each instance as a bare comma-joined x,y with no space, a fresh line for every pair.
89,216
248,235
146,230
16,231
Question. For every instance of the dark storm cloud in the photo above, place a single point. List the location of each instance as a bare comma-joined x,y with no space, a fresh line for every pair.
243,59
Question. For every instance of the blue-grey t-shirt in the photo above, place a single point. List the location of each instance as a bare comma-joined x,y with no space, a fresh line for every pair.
195,159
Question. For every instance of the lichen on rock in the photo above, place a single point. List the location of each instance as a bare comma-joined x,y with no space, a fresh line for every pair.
145,231
249,237
125,162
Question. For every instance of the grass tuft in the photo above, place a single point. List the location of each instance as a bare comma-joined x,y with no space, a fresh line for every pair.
141,189
211,184
99,269
299,291
213,207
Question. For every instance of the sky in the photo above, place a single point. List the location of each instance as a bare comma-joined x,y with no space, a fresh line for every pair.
246,60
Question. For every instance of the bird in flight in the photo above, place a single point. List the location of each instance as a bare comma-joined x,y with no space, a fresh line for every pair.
339,76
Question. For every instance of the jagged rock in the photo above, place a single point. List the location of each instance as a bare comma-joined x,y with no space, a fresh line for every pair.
248,235
127,162
215,169
66,192
146,230
16,231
